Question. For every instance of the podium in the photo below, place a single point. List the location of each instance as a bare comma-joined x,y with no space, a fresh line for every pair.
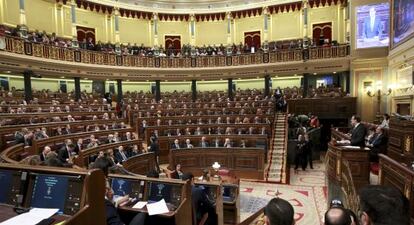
347,171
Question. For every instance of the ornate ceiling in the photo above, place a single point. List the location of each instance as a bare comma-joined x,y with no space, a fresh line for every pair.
191,6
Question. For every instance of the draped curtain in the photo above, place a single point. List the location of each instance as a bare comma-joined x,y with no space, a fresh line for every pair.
252,39
322,30
85,33
175,41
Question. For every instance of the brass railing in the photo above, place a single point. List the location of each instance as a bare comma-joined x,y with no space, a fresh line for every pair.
21,46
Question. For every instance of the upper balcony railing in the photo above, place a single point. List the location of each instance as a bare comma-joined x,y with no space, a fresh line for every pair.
21,46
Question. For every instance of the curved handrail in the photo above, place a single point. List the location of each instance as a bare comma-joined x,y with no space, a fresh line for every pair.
10,154
40,50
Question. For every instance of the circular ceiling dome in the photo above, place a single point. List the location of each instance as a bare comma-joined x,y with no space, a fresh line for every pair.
191,6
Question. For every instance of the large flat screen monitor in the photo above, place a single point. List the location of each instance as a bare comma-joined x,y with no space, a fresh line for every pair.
49,191
171,193
122,187
372,24
9,186
5,184
403,20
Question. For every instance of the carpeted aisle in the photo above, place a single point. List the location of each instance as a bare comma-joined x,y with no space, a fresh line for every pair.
307,194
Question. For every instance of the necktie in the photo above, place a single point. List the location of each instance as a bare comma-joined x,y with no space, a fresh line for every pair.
123,156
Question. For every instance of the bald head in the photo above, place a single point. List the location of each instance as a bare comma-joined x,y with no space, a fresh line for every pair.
337,216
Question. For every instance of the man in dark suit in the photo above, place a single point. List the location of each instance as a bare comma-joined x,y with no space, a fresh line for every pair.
65,152
377,144
201,204
203,143
79,146
44,153
121,155
358,132
154,147
176,144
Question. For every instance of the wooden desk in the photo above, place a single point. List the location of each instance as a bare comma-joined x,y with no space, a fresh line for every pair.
343,166
251,141
140,164
401,140
214,193
244,162
83,201
7,212
180,206
343,107
399,176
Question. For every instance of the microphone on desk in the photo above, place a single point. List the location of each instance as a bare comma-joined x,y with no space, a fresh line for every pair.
20,197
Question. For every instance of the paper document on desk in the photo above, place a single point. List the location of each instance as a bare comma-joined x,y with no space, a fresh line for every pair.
355,147
139,205
156,208
32,217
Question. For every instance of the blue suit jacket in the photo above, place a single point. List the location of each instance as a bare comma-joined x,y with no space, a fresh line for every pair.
376,29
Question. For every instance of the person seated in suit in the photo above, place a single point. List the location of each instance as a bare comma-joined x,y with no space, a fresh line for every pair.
203,142
279,212
58,132
377,143
93,143
201,204
242,143
358,132
134,151
177,173
111,211
117,138
128,136
198,131
67,130
227,143
216,143
44,153
121,155
188,144
176,144
79,146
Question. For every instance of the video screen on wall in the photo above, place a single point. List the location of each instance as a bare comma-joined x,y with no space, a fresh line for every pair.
403,23
372,25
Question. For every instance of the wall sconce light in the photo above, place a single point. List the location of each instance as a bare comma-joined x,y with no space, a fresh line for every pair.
379,93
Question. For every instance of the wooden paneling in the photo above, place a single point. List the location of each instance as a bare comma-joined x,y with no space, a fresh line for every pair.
358,160
244,162
401,141
394,174
324,107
